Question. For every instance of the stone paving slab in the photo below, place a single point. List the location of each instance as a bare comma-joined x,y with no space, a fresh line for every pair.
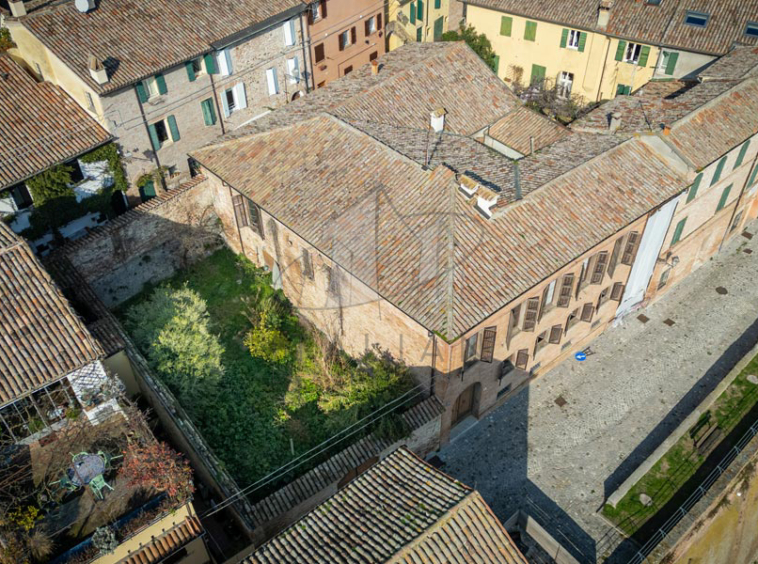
561,463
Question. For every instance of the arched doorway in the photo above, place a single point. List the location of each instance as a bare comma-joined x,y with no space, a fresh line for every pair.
466,403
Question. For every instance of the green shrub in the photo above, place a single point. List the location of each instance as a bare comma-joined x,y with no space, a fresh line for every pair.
266,342
51,184
173,326
5,40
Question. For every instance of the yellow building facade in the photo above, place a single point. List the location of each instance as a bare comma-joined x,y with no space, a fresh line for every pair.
418,20
586,63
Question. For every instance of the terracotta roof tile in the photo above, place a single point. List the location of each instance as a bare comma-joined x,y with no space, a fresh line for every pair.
41,338
40,125
169,542
522,128
135,39
399,510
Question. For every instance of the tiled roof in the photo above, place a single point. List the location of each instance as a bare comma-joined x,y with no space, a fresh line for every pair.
135,39
522,128
412,82
169,542
40,125
41,338
399,510
736,114
637,20
327,181
738,63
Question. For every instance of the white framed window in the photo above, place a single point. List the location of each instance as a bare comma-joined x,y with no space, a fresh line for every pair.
573,39
565,83
696,19
293,70
632,53
272,81
224,62
151,86
234,99
289,33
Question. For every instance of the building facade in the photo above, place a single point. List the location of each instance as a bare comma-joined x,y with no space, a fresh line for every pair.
344,35
421,20
165,89
597,50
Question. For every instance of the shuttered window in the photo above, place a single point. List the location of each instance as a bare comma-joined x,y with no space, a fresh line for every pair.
239,211
512,324
556,332
307,265
620,48
437,4
530,31
413,13
439,28
671,63
522,359
719,170
567,285
617,292
469,351
173,128
256,221
333,281
724,198
272,81
693,189
572,319
538,75
540,342
613,261
210,63
644,55
547,298
678,231
318,52
630,250
420,10
209,111
289,33
532,311
741,155
506,26
598,272
190,66
488,344
161,82
588,310
605,294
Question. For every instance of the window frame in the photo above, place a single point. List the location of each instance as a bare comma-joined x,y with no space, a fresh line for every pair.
617,291
320,47
630,248
751,25
540,343
706,17
522,354
555,341
636,51
572,40
471,349
240,211
564,91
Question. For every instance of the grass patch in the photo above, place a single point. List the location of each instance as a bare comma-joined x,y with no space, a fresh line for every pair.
682,461
251,407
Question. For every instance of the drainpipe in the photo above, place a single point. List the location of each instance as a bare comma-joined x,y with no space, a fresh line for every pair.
236,224
737,203
602,73
307,52
218,107
434,362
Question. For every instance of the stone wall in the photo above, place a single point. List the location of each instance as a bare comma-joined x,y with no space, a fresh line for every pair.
147,244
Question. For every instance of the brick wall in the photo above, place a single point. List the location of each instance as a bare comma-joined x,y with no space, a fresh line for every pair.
146,244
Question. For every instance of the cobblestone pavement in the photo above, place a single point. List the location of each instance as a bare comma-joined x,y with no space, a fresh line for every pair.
560,463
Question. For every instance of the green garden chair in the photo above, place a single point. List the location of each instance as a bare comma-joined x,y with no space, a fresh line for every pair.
98,484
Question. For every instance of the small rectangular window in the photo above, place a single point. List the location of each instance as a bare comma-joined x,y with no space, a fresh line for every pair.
307,265
567,286
572,319
239,211
588,310
289,33
724,197
678,231
664,279
604,296
161,131
90,102
229,97
530,31
344,39
632,53
318,52
513,327
696,19
333,281
370,26
565,84
630,250
197,66
256,222
617,292
598,271
347,70
522,359
272,81
751,29
471,348
556,332
572,41
613,261
488,344
540,343
373,56
532,311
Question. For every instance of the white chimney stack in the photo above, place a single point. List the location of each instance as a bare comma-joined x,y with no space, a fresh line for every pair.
17,8
604,13
615,122
84,6
438,120
97,70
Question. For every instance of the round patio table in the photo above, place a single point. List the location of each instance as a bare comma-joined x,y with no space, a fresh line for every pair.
86,468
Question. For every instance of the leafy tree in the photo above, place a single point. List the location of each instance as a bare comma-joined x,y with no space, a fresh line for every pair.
157,466
173,326
5,40
51,184
477,41
267,342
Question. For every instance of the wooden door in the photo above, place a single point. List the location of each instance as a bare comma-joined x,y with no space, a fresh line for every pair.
464,404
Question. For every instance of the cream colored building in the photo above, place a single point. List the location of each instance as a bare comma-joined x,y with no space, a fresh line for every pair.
420,20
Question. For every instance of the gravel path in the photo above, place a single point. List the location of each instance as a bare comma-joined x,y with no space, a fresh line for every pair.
560,463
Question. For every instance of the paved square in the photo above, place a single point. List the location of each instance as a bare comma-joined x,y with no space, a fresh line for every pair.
560,463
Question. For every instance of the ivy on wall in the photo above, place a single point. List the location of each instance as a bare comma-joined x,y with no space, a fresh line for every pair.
5,40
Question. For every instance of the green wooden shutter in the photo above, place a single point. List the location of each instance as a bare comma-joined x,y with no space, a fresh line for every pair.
671,63
437,4
724,197
438,28
719,169
564,38
538,74
620,50
209,112
530,31
173,128
210,63
506,25
497,64
644,55
413,13
741,156
623,90
419,34
190,71
753,176
141,92
154,137
693,189
420,10
678,232
161,82
582,41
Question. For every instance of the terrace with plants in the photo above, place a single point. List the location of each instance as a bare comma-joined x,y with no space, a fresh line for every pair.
259,384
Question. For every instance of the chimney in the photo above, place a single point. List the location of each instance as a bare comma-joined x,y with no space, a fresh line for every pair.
531,145
97,70
374,67
438,120
604,13
615,123
666,130
84,6
17,8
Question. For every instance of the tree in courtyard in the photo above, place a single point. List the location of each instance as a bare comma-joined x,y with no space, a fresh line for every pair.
156,465
173,326
5,40
477,41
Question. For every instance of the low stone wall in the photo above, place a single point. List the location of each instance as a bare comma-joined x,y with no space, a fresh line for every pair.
148,243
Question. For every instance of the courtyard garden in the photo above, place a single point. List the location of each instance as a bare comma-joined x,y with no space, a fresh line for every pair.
691,454
258,383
